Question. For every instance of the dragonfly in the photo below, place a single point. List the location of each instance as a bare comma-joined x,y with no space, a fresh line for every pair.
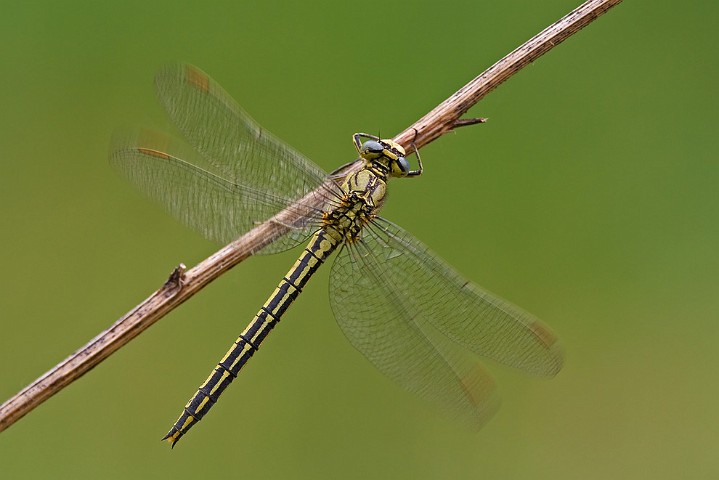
413,316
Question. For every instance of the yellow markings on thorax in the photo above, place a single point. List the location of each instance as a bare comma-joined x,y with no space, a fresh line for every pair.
364,193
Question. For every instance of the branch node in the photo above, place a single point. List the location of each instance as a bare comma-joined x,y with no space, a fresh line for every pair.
176,279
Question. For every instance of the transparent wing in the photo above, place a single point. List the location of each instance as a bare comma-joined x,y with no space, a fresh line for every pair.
229,139
235,176
417,320
216,207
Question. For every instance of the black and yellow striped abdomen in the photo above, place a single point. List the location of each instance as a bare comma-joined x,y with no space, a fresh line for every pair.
321,245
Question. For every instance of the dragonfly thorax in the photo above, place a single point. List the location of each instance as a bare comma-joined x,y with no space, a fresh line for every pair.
363,194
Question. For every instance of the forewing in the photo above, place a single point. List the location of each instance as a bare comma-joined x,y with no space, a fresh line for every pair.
229,139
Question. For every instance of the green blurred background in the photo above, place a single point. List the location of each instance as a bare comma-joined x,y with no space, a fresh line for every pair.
590,199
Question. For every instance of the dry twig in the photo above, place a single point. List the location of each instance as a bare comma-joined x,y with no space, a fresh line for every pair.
182,284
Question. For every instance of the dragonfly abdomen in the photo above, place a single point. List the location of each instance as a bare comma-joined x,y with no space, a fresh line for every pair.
319,248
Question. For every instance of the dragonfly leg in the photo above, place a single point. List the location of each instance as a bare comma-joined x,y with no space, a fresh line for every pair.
416,173
357,139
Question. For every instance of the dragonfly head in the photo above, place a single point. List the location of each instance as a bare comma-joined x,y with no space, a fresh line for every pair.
387,153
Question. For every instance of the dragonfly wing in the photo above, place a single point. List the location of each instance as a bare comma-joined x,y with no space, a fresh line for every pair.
199,196
229,139
417,320
259,174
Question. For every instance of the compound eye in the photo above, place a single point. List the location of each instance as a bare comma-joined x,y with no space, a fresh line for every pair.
372,146
403,165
